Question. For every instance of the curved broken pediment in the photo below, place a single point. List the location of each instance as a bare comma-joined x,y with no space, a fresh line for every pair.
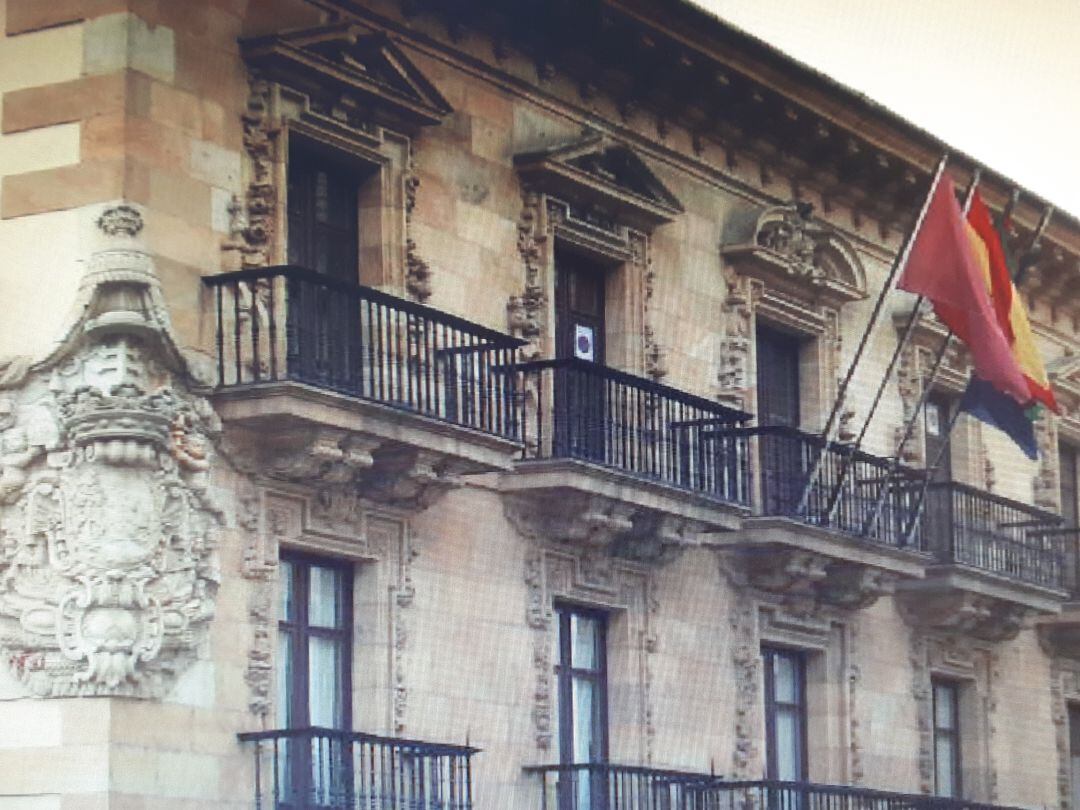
786,246
605,177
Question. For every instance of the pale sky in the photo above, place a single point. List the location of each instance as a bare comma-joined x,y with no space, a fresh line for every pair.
997,79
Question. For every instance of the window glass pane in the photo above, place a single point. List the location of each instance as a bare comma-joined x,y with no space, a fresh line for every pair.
286,586
324,686
788,746
285,669
583,642
944,757
585,721
324,597
944,695
785,678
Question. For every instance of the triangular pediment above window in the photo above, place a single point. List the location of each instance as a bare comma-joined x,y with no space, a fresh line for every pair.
785,245
596,172
347,60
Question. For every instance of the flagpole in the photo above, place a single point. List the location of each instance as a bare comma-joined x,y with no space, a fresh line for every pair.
887,287
894,464
909,531
905,336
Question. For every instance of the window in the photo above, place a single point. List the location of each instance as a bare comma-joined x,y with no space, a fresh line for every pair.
937,415
581,675
579,308
946,738
314,669
777,378
785,714
323,224
582,681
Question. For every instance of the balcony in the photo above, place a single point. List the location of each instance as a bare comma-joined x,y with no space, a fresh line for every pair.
844,540
615,787
612,459
995,562
346,383
320,768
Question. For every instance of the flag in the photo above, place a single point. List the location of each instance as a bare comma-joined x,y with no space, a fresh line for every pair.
943,267
989,405
1008,306
981,399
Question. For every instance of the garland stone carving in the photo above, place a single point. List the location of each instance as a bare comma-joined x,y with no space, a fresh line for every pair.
108,571
252,229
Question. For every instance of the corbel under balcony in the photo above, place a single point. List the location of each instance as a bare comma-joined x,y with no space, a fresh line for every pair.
328,384
1060,634
586,504
787,557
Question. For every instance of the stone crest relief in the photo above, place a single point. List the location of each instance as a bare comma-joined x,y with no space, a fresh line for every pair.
108,570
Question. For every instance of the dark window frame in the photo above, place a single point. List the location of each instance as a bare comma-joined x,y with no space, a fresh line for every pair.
565,673
768,655
953,733
777,343
301,630
1068,473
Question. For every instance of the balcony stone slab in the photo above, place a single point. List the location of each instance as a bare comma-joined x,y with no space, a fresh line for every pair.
581,503
976,603
786,557
294,432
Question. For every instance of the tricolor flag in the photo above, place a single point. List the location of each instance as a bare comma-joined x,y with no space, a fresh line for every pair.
982,399
943,267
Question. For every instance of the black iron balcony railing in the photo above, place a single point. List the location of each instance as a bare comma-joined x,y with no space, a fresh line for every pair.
320,768
585,411
853,491
288,323
614,787
964,525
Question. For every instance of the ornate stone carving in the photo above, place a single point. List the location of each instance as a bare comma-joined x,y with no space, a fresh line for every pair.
563,573
602,526
417,271
121,220
854,679
655,361
108,569
525,312
1046,487
806,577
785,246
746,663
963,612
735,344
252,220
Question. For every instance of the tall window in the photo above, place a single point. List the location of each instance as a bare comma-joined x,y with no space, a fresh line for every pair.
582,683
323,226
777,378
937,413
582,678
946,738
785,714
314,656
314,643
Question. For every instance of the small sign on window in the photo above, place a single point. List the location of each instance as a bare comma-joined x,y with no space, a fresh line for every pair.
584,345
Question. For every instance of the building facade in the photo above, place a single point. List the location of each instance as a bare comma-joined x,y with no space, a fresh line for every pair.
418,403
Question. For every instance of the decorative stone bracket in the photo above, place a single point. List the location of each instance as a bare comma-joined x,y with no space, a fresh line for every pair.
808,576
379,470
965,613
108,570
601,524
